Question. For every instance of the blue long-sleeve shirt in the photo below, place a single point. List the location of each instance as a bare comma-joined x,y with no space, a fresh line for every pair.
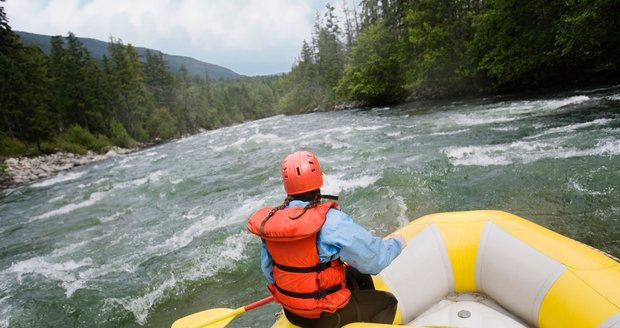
340,237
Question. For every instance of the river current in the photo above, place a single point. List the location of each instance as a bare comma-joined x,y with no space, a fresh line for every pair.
143,239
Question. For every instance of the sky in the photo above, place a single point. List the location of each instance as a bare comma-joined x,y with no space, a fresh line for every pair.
251,37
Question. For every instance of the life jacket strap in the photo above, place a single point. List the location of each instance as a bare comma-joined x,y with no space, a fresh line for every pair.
316,295
317,268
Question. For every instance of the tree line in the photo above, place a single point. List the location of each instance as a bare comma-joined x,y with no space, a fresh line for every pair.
375,53
68,101
389,51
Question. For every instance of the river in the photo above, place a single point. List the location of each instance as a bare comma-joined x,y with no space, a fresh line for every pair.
142,239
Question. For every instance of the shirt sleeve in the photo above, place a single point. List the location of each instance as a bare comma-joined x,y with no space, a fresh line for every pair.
266,263
342,237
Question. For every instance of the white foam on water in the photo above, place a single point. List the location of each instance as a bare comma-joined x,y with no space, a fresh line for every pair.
555,104
572,127
5,312
124,161
480,160
160,157
473,119
153,177
525,152
62,177
613,97
140,306
193,213
88,185
341,130
268,138
603,147
255,138
234,247
55,199
221,256
448,133
611,130
72,275
218,149
370,128
477,155
336,183
65,272
102,180
237,144
93,199
243,212
510,111
334,144
409,137
505,128
110,218
272,119
606,147
68,249
519,107
574,184
186,236
201,226
402,218
119,266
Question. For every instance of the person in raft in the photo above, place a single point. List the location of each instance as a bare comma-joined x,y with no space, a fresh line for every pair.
316,259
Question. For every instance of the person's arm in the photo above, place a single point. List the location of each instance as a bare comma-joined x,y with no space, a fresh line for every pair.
266,263
356,245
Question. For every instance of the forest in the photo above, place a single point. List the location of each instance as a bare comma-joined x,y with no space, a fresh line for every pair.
376,53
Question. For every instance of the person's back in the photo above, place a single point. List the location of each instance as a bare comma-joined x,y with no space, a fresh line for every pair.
316,259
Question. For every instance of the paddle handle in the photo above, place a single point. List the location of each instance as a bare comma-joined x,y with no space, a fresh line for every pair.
258,303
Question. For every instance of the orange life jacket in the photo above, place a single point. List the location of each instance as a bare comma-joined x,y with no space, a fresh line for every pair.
303,285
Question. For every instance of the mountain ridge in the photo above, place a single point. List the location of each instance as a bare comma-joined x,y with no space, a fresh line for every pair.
98,48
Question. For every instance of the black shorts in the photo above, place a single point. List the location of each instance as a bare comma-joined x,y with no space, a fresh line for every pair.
366,305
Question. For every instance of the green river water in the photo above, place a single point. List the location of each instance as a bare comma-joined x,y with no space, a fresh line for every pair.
143,239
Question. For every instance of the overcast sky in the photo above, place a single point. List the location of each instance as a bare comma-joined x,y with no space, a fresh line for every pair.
251,37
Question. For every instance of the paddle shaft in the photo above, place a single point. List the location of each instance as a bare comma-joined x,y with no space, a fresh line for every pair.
240,310
217,318
258,303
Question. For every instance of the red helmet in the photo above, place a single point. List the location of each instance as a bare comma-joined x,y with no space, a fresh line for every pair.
301,173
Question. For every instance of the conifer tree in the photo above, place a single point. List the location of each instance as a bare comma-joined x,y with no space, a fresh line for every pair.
131,101
158,79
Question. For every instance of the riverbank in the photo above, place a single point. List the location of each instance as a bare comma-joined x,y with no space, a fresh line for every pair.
25,170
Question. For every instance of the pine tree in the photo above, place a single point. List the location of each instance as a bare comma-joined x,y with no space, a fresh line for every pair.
131,102
330,55
158,79
7,37
184,101
10,46
36,124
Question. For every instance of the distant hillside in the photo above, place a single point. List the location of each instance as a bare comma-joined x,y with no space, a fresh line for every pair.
99,48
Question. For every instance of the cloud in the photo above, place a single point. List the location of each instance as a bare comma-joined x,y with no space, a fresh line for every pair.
252,37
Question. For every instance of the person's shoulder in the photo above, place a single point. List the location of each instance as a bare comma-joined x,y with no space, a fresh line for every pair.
336,226
336,215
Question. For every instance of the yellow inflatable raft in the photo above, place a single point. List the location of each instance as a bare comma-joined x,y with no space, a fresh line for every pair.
495,269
